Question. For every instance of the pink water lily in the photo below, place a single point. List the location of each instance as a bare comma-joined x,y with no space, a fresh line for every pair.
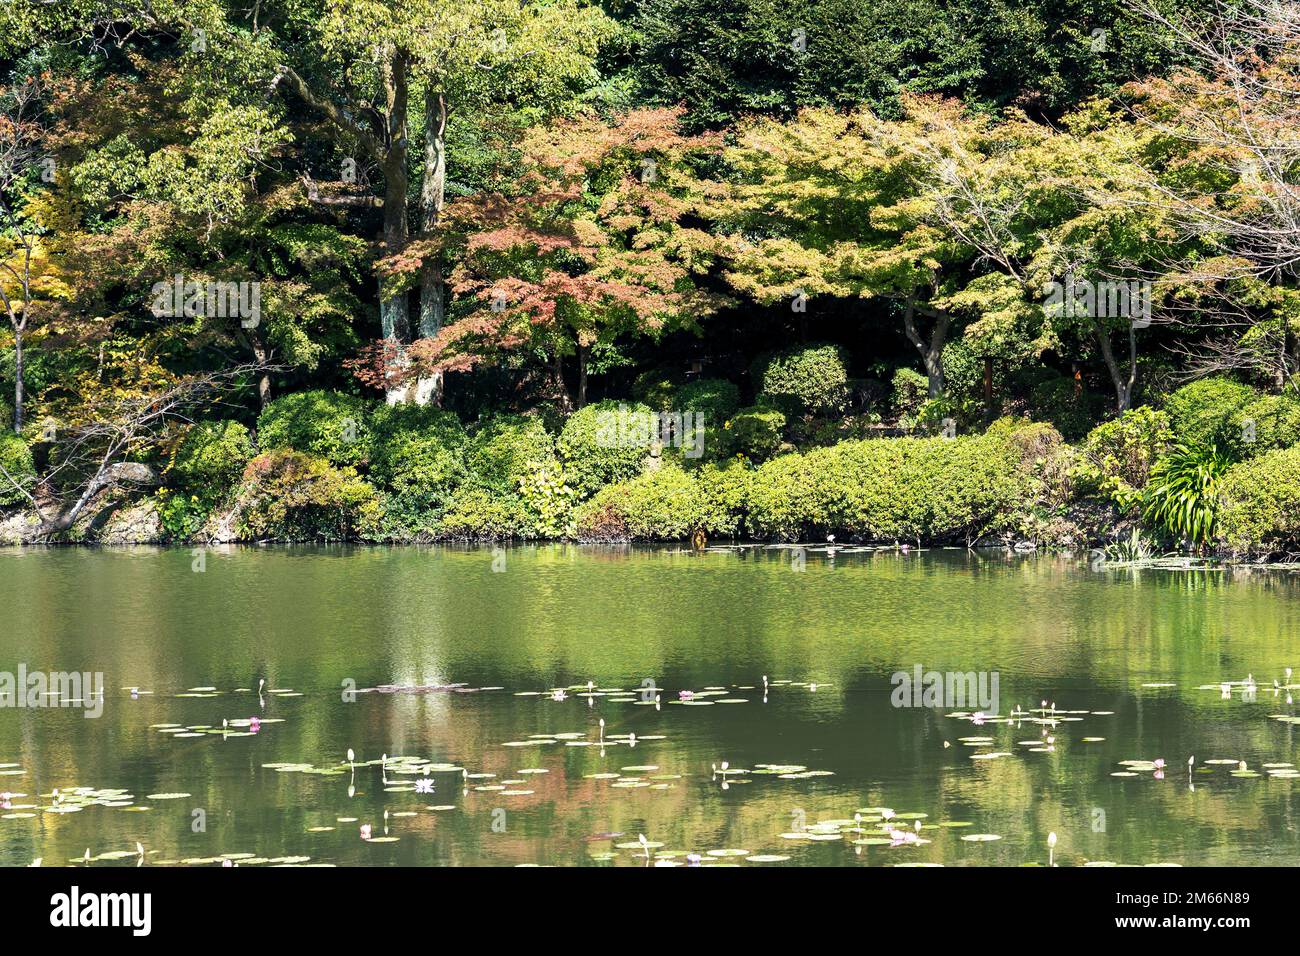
365,831
254,724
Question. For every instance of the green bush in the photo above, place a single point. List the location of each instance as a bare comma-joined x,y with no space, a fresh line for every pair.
755,432
932,489
16,459
597,447
714,398
547,502
210,459
288,495
1274,421
1259,503
664,504
810,379
725,488
1117,456
657,387
1062,402
910,390
506,449
1203,412
329,424
481,514
418,453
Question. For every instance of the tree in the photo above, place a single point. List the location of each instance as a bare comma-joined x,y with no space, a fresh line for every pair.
601,241
452,53
20,254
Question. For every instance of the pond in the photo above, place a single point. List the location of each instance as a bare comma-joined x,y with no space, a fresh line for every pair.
456,657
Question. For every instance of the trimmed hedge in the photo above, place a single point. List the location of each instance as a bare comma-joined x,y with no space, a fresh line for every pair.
508,449
421,455
811,379
755,432
1259,503
930,489
1203,412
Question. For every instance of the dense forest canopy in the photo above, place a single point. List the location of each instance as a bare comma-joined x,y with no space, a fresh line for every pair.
385,268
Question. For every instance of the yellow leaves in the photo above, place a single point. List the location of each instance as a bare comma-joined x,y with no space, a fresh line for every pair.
48,280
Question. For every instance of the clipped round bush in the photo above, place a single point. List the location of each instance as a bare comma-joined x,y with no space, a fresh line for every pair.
812,379
419,452
507,449
288,495
16,459
657,387
755,432
714,398
1203,412
210,459
1259,503
604,443
332,425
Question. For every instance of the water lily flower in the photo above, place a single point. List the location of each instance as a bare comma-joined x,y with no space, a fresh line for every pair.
254,724
365,831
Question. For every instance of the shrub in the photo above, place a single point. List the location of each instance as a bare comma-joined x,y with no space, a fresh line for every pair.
725,488
419,453
910,390
755,432
661,504
657,388
594,449
1062,402
16,459
901,488
1259,503
480,514
1268,422
506,449
1118,455
1181,498
210,459
715,398
289,495
331,425
810,379
547,502
1202,412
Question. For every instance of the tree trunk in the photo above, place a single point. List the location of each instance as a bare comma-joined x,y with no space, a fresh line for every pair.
18,380
432,197
394,311
561,390
932,351
582,374
1123,382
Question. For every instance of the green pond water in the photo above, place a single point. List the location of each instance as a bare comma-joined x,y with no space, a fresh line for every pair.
512,625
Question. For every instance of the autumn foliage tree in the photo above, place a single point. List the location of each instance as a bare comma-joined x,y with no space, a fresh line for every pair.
602,240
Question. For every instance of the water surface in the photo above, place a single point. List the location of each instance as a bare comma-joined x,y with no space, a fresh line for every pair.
314,622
